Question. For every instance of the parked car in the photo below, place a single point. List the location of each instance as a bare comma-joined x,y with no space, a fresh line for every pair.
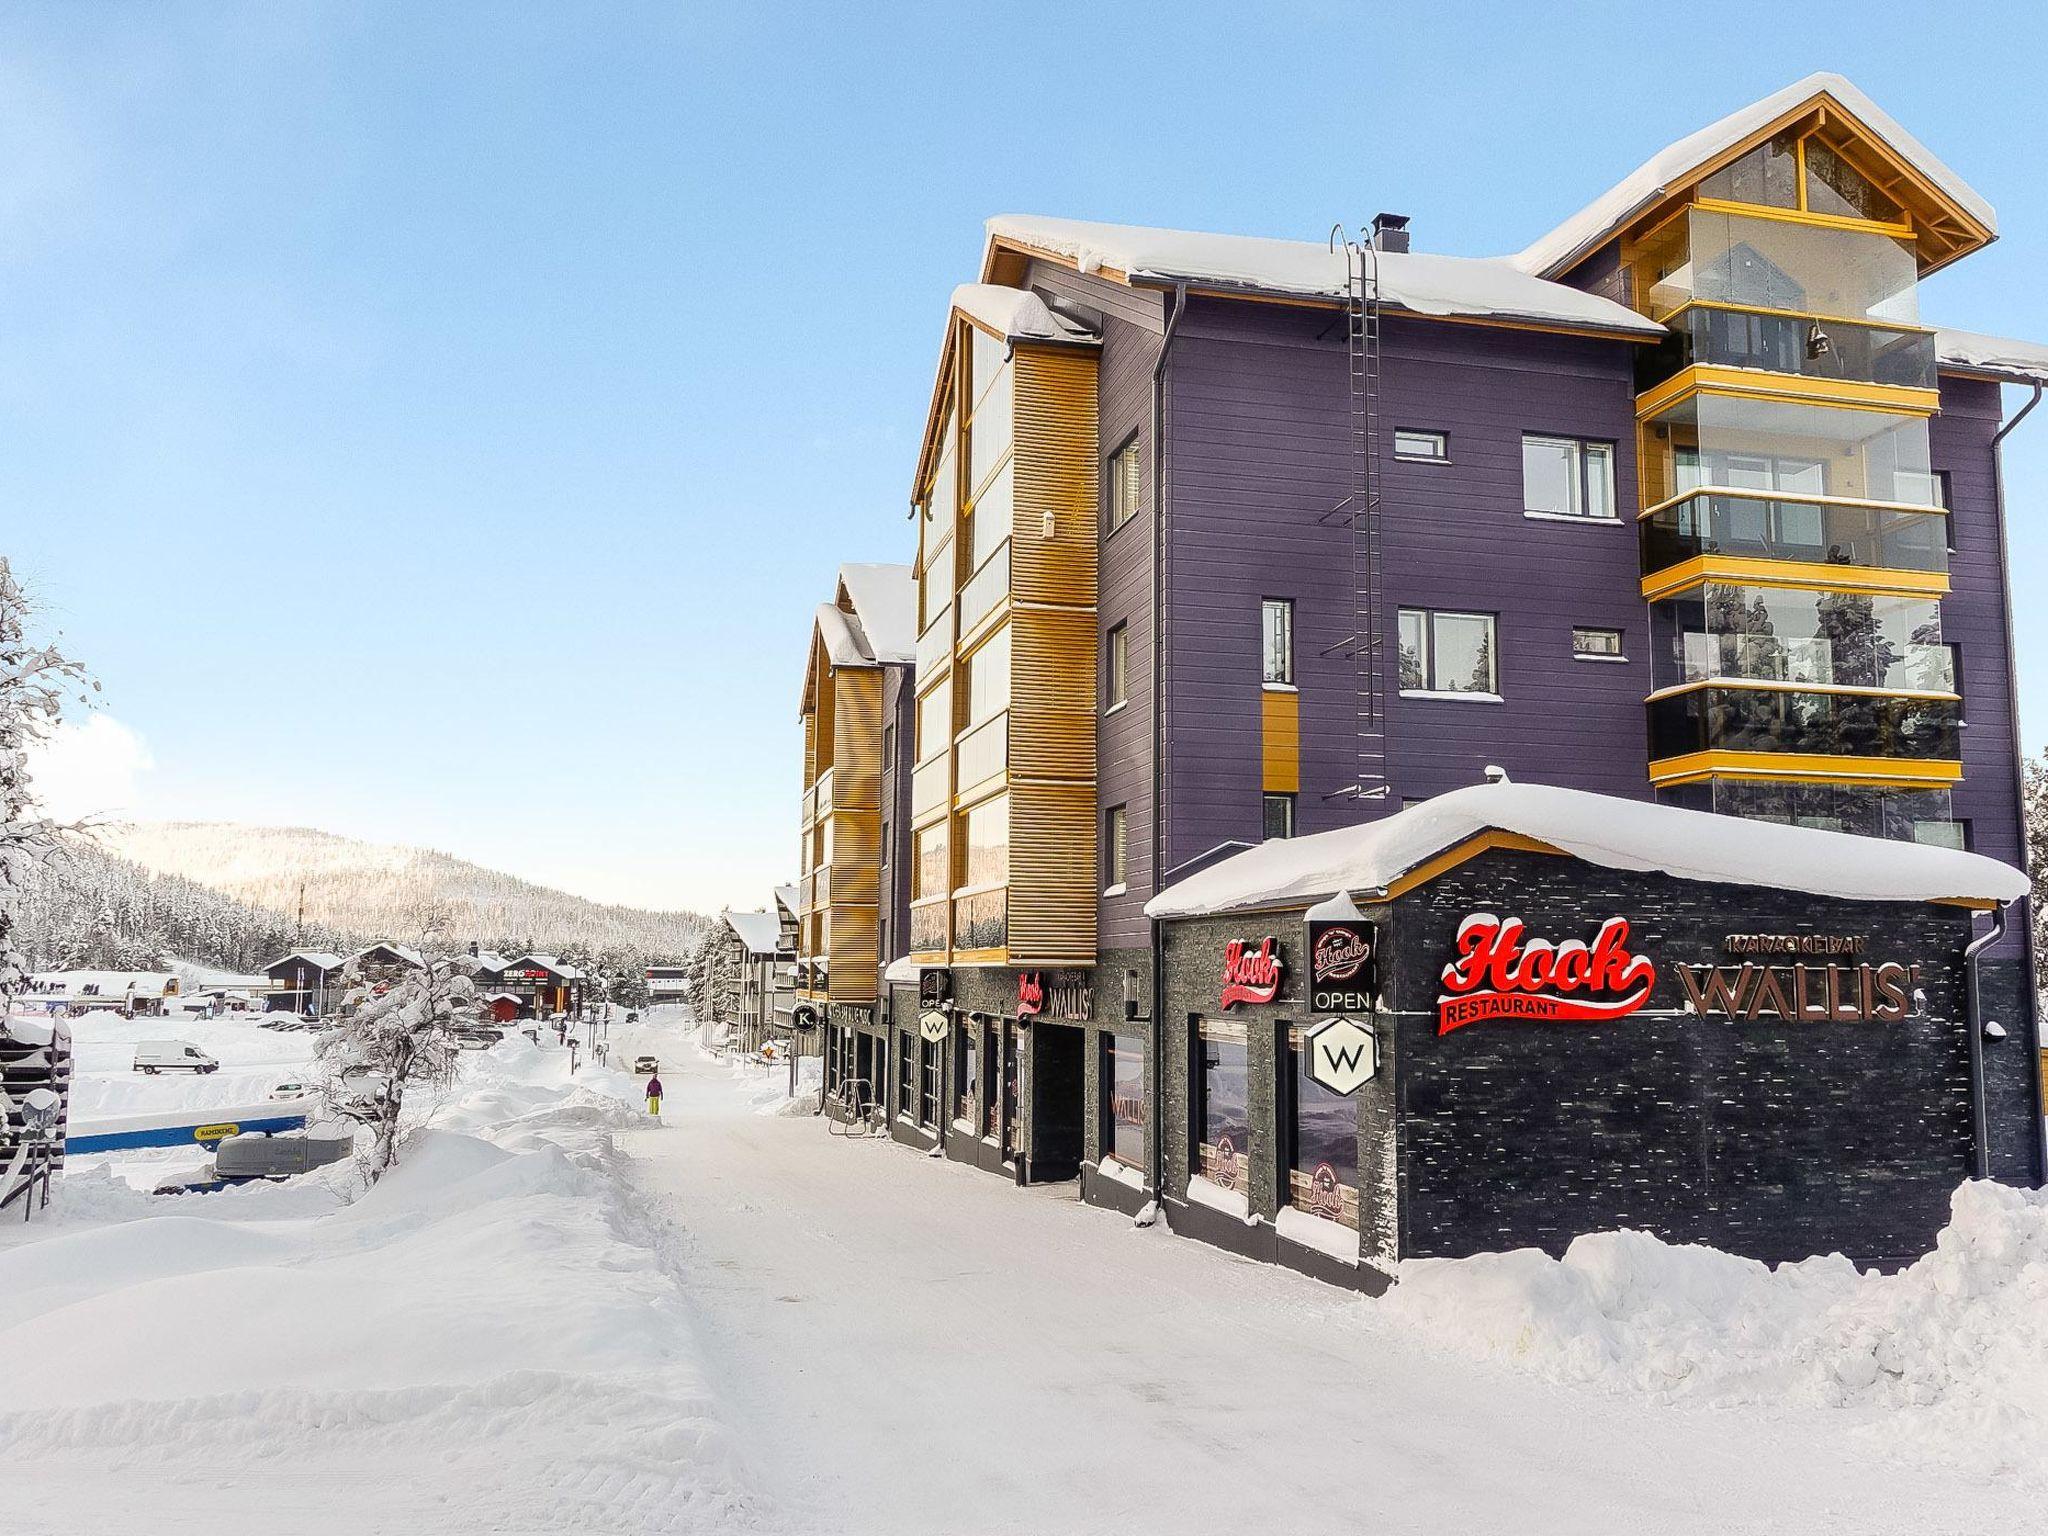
154,1056
633,1016
646,1065
478,1037
294,1089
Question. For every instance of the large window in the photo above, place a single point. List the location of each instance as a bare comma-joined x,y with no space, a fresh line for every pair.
1790,635
1123,1099
1279,814
930,875
1116,667
906,1065
1567,477
1222,1117
1322,1143
1444,652
966,1079
1116,830
1277,628
985,843
1124,484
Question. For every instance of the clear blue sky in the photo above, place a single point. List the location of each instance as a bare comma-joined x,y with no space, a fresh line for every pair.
435,422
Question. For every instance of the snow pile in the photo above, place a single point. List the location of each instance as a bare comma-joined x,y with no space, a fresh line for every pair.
490,1338
1956,1336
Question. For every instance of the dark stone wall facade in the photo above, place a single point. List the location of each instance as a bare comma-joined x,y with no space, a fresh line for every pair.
1766,1137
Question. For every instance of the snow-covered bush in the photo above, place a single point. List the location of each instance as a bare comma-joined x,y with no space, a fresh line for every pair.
394,1053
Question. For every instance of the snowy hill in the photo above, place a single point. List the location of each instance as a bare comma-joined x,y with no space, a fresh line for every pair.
375,889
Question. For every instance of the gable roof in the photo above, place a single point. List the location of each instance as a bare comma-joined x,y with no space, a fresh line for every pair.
1601,829
1678,165
761,932
884,599
1017,314
318,959
1458,287
411,957
786,897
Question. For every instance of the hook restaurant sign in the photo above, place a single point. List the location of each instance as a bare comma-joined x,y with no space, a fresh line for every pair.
1502,973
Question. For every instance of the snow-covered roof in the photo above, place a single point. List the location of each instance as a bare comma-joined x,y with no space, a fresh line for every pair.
1998,357
411,957
840,633
318,959
902,971
761,932
107,984
547,963
1601,829
884,599
490,960
1674,166
1016,314
786,897
1483,287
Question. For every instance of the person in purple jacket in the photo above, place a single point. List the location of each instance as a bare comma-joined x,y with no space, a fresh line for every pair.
654,1095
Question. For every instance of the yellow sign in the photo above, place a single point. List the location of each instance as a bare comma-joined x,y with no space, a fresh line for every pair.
215,1132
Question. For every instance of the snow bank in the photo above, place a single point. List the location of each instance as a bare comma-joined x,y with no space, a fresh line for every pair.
497,1320
1955,1340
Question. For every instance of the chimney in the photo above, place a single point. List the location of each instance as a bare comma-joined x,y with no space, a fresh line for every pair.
1390,232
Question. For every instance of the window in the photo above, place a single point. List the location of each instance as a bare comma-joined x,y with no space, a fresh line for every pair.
1448,652
1279,816
1116,685
906,1062
929,873
928,1083
1124,484
1277,627
934,722
966,1082
1123,1099
1567,477
984,841
1116,847
1596,644
1322,1141
1222,1117
1422,447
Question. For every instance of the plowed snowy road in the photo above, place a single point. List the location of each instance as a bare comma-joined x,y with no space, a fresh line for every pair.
910,1346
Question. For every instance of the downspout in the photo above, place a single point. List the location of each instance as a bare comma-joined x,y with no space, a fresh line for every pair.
1980,1133
1158,999
2032,1037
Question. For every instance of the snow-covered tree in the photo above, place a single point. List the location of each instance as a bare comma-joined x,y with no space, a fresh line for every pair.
715,971
35,681
2034,796
391,1056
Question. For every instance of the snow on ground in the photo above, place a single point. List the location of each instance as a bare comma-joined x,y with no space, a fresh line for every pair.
560,1314
912,1346
1947,1356
491,1339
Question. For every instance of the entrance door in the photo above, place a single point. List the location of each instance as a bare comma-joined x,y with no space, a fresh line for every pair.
1012,1132
1059,1093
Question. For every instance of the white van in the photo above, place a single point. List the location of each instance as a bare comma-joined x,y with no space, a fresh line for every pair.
154,1056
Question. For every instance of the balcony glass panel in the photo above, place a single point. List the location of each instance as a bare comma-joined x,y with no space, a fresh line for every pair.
1760,263
1774,720
983,752
1908,815
824,792
988,587
930,787
988,437
936,643
989,523
1723,442
982,921
985,843
928,925
1790,344
1755,526
1773,634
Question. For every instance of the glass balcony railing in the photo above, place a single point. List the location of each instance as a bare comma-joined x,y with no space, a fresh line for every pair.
1764,525
982,920
983,752
929,785
1715,719
821,887
987,587
936,643
1723,336
928,925
824,793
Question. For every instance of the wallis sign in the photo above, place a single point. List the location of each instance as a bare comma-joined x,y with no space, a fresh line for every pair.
1501,973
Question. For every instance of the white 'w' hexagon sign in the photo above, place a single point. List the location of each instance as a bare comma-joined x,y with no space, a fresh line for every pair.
1343,1055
